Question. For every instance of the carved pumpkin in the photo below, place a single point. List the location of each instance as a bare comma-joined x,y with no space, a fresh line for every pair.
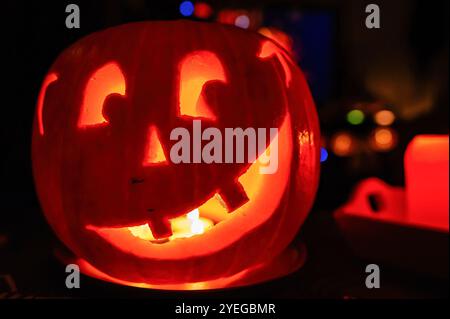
101,151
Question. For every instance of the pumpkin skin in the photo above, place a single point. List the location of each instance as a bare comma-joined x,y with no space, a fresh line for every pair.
91,180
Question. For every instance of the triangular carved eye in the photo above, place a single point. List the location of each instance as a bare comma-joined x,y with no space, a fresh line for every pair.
154,152
105,81
196,69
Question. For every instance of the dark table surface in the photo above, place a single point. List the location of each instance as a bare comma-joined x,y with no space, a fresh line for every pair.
331,270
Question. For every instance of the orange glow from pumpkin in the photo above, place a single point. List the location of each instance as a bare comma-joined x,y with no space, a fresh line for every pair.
154,153
49,79
107,80
268,50
196,70
90,270
100,201
287,262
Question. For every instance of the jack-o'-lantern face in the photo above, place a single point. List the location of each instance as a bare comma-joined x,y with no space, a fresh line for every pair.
103,149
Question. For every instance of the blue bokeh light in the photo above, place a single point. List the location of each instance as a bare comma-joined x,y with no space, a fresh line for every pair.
323,154
186,8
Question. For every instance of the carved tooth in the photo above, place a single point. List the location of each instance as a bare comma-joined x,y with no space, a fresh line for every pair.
160,227
233,196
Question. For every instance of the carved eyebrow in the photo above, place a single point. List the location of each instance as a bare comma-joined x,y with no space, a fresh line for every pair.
268,50
49,79
106,80
196,69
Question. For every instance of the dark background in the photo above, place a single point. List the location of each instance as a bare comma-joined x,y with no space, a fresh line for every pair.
346,64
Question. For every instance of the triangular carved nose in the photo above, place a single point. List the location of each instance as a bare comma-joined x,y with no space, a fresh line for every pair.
154,152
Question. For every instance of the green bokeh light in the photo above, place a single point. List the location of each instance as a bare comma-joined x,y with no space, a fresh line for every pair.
355,117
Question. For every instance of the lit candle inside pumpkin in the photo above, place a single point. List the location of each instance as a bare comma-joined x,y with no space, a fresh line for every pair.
427,180
182,227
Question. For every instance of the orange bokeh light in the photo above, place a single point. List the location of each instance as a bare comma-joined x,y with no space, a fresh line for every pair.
384,139
384,117
342,144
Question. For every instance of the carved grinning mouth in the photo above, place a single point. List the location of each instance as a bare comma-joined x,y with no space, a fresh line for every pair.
213,211
212,221
231,196
199,220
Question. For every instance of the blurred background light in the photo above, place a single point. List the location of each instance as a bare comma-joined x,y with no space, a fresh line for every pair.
242,18
384,139
323,154
242,21
227,16
384,117
186,8
355,117
202,10
343,144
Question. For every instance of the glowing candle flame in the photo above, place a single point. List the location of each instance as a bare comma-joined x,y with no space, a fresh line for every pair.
197,226
183,227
